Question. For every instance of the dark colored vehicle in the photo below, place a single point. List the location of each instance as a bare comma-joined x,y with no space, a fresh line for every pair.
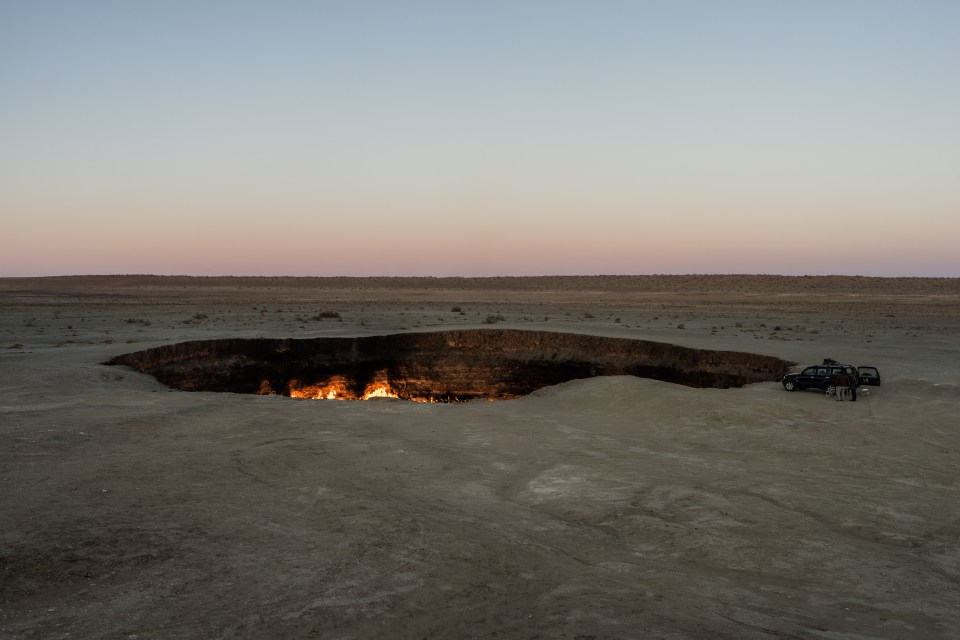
869,375
819,376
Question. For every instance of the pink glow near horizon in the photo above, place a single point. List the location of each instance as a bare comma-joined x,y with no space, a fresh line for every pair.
465,253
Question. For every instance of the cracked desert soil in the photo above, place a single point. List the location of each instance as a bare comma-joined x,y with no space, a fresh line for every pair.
603,508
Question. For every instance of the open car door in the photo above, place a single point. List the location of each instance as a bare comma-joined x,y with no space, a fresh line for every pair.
869,375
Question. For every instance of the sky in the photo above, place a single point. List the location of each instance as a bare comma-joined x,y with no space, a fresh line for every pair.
480,138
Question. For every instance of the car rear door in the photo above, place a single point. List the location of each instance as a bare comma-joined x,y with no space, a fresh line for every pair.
869,375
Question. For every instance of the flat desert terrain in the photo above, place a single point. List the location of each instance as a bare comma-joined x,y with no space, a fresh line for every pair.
600,508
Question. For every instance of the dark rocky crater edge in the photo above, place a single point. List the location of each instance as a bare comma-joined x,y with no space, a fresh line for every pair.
442,366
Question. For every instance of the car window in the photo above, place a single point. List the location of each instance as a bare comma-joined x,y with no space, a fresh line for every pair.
869,372
809,371
823,371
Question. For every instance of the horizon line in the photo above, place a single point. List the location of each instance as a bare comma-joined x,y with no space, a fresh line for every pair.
471,277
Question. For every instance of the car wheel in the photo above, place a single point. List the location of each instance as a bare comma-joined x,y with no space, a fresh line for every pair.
831,390
790,385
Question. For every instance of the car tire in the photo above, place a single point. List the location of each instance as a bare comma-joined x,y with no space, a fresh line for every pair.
831,390
790,385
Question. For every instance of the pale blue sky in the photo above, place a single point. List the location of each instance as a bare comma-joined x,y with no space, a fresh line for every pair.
480,138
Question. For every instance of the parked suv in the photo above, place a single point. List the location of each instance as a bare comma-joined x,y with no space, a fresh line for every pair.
819,376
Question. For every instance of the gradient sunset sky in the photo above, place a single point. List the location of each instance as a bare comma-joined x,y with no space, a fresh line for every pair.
480,138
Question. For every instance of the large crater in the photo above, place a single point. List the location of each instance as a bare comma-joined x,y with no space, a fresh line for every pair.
443,366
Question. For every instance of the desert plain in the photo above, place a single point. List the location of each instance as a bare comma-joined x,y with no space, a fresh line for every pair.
600,508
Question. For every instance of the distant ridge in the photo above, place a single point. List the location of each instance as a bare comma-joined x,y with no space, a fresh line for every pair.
732,283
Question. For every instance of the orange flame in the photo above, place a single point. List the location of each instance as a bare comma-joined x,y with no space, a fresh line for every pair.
333,389
378,390
265,389
337,388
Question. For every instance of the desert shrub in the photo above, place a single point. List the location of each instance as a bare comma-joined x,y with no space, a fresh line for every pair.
493,319
325,315
456,310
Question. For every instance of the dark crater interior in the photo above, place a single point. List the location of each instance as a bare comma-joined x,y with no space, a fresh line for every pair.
443,366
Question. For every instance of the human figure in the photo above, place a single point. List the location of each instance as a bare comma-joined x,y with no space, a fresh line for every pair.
854,383
842,383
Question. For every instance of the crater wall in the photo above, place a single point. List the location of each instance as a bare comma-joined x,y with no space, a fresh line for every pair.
449,366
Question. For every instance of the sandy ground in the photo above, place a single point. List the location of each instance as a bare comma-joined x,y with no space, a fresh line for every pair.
602,508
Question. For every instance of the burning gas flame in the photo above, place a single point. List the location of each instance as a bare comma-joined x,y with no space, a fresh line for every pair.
337,388
333,389
376,390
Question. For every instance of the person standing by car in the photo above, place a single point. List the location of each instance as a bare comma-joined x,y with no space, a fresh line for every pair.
841,383
854,383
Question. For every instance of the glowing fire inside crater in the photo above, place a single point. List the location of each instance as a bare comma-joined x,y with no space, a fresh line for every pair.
381,391
338,388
